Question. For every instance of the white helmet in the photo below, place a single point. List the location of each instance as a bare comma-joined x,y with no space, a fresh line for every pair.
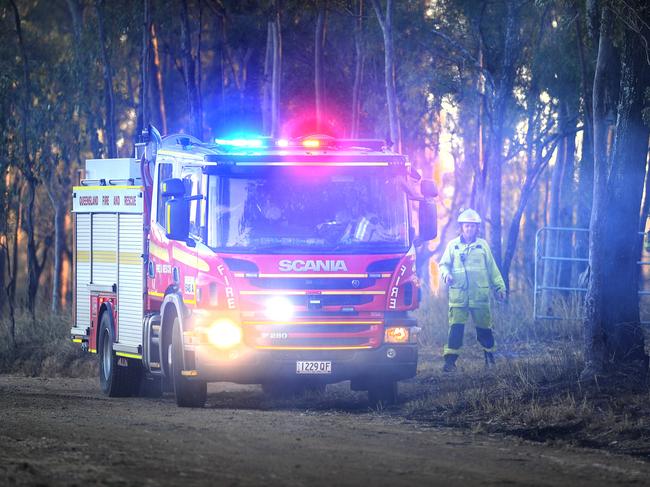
469,216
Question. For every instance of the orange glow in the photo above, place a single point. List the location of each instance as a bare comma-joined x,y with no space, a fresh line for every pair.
397,334
311,143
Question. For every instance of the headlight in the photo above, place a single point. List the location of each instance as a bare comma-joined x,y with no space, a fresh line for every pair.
224,334
396,334
279,308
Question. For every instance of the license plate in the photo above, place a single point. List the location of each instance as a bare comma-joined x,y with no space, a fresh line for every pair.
313,367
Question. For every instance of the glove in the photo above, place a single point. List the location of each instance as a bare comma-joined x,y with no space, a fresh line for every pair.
449,279
501,295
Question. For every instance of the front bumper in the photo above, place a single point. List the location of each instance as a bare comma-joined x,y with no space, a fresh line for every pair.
249,366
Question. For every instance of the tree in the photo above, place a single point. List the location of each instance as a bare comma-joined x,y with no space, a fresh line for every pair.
191,63
319,44
29,171
359,61
386,24
109,99
614,341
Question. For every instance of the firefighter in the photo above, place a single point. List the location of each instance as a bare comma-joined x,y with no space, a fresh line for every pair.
468,269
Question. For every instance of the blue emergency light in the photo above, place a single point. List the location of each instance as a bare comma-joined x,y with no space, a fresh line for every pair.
254,143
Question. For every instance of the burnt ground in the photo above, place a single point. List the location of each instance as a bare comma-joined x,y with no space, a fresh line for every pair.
62,431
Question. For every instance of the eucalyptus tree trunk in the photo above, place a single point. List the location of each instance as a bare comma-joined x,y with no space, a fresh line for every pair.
276,76
4,198
595,331
502,94
386,24
614,341
81,76
145,66
57,179
533,173
189,75
586,165
34,266
359,61
11,254
60,209
109,98
567,200
157,89
531,209
27,169
4,209
214,79
478,199
552,237
267,82
319,44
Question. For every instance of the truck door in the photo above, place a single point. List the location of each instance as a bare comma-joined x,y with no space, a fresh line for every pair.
184,256
159,267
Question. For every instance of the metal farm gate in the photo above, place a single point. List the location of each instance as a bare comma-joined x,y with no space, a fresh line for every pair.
566,276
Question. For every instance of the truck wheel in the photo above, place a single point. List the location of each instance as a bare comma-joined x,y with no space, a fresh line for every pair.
382,394
189,393
115,380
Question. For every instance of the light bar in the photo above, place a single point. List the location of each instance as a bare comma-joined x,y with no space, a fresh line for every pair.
243,143
314,164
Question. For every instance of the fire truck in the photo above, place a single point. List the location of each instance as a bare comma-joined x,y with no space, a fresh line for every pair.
288,263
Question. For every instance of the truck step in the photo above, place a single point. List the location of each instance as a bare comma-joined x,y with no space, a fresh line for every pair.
155,329
154,365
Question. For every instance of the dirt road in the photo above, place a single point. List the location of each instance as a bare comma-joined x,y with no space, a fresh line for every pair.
64,432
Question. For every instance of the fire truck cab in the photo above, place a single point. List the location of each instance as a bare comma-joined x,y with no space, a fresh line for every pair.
286,263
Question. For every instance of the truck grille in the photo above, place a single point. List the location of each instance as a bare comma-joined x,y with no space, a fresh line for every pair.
324,335
325,299
311,283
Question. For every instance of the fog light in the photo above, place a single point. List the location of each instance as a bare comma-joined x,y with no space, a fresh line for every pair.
396,334
224,334
390,353
279,308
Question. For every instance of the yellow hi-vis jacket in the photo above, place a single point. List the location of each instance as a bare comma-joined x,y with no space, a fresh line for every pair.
474,271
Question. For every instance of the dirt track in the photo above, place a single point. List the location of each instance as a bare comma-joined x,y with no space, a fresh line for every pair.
64,432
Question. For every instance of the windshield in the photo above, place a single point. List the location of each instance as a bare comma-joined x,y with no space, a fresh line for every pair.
285,212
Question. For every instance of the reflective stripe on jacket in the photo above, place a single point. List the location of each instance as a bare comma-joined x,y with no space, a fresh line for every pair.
474,271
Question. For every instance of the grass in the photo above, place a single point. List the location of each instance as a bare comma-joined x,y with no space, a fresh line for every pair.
43,347
534,391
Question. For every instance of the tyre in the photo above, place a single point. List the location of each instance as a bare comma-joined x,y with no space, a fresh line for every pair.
382,394
115,379
189,393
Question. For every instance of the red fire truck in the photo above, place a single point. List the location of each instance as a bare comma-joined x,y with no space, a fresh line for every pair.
288,263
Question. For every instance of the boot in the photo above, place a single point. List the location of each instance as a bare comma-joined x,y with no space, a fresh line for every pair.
489,359
450,363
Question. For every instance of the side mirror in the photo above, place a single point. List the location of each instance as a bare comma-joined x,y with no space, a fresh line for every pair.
428,220
428,188
173,187
177,212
